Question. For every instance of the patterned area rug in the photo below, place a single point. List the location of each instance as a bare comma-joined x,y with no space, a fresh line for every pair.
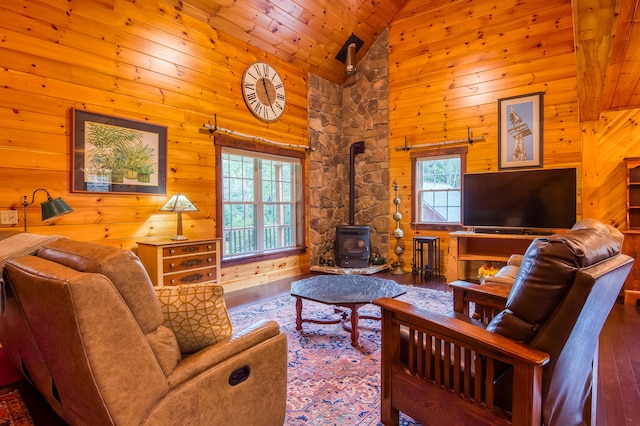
329,381
13,411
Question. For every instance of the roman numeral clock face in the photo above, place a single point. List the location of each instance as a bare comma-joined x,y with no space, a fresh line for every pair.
263,91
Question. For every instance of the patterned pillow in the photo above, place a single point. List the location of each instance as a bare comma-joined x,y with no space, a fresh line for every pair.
196,313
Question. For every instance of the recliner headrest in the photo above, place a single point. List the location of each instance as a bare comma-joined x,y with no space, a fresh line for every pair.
122,267
547,271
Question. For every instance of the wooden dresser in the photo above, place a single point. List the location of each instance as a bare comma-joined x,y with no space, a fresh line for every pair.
171,262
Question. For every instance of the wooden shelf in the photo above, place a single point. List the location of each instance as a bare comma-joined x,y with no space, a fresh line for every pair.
632,233
467,249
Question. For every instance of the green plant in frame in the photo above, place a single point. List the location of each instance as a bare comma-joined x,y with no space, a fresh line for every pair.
144,172
117,150
138,155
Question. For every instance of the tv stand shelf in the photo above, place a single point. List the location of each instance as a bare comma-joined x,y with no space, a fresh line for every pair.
467,248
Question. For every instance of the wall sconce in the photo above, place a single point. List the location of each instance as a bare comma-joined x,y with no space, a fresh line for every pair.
179,203
51,208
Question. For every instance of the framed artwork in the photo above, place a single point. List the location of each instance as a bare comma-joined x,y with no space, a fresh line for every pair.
115,155
520,131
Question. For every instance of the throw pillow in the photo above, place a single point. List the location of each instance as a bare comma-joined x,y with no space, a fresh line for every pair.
196,313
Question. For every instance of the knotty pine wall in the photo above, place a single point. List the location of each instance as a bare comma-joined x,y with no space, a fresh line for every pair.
606,143
450,62
139,60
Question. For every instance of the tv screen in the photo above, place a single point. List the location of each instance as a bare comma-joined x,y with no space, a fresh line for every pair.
530,199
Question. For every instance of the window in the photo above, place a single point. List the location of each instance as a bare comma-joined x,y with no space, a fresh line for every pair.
437,189
261,205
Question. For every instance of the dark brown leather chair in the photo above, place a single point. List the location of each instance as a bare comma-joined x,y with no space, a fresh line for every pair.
535,363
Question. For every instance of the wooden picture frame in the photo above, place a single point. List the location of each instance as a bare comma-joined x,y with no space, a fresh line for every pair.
520,138
116,155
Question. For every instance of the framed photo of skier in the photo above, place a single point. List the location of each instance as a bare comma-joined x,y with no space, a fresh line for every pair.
520,131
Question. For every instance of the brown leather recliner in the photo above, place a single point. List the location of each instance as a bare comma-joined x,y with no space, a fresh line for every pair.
90,335
536,363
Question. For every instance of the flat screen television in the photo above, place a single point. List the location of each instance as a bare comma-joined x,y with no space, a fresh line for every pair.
520,201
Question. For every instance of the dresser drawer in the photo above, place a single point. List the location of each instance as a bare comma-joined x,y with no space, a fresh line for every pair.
187,249
180,262
175,264
191,277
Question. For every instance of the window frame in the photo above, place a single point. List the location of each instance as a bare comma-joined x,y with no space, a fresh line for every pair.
460,151
222,141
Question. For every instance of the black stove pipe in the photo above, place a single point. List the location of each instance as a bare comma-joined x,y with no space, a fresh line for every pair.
356,148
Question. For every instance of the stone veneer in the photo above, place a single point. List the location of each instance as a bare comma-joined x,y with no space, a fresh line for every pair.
338,117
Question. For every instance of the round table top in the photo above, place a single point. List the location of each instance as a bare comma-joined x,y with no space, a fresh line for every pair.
343,289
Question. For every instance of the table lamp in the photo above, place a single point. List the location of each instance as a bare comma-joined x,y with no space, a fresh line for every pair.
51,208
179,203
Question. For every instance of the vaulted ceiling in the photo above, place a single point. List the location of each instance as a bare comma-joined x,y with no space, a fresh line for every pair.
310,33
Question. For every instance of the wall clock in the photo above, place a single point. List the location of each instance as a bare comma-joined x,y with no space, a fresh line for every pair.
264,91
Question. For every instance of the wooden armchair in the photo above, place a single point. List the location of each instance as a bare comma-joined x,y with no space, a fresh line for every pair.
535,363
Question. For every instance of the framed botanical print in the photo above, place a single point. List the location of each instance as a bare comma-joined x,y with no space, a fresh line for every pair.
116,155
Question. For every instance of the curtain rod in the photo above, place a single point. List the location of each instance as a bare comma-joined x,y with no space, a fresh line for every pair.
214,128
468,140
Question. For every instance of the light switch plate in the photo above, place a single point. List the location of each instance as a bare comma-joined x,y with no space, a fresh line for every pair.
9,217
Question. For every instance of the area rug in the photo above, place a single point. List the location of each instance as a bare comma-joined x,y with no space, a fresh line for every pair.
330,382
13,411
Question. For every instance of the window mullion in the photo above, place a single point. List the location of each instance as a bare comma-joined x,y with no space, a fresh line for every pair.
259,204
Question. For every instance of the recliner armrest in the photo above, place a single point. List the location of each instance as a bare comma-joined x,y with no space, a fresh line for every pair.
460,332
235,344
448,356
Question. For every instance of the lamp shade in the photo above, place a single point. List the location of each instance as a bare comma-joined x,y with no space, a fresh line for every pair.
51,208
179,203
54,207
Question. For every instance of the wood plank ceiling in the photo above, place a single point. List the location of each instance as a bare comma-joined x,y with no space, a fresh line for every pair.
310,33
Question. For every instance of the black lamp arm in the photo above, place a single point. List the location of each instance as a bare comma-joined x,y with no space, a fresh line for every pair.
33,197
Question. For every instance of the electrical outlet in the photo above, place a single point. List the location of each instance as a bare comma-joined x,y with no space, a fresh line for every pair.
9,217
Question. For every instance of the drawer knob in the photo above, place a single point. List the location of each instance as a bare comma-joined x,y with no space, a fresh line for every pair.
172,281
172,251
209,259
209,247
172,265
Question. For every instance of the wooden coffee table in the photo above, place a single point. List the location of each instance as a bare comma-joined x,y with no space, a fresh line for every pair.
346,293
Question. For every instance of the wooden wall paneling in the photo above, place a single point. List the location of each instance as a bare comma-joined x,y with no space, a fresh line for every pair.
471,54
616,134
141,61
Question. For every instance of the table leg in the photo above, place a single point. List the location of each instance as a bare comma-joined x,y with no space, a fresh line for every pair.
354,325
298,313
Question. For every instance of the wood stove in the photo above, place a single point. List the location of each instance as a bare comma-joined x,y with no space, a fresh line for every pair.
351,248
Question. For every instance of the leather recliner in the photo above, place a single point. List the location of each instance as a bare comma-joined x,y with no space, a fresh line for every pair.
535,363
84,324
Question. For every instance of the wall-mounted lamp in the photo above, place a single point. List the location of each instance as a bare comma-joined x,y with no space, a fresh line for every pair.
179,203
51,208
347,53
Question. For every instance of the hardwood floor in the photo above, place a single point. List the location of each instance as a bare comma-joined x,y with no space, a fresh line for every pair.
618,392
619,377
